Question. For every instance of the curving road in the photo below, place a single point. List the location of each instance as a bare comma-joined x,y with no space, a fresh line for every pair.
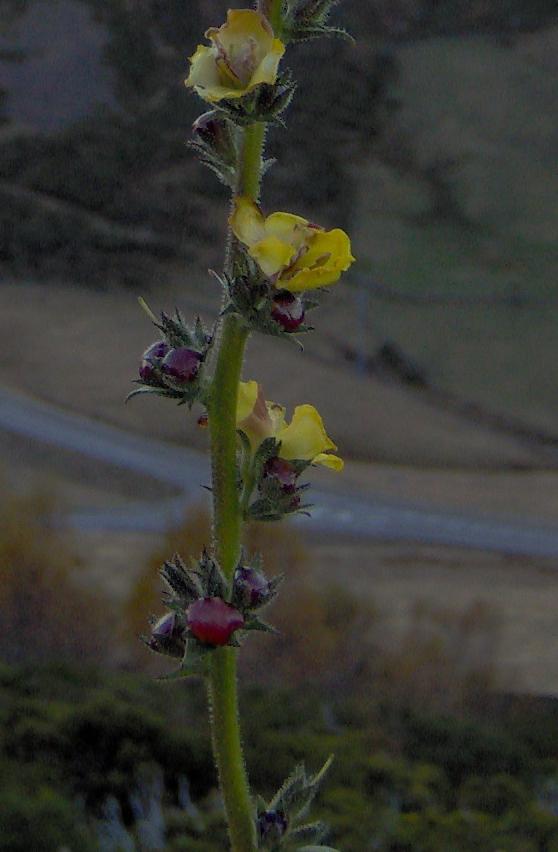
335,513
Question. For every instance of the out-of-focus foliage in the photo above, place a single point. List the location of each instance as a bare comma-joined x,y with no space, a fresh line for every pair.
44,820
84,753
130,164
44,614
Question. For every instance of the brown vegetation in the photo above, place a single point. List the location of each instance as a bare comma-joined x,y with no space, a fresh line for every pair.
44,614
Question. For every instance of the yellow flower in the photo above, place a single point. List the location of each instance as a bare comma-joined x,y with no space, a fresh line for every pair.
295,254
243,54
304,438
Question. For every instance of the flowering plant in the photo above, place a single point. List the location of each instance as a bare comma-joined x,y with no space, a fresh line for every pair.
257,455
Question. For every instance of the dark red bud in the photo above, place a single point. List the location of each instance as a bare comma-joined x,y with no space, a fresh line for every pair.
180,367
213,621
283,471
150,360
287,311
251,587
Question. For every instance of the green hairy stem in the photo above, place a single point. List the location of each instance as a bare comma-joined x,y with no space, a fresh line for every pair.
227,530
227,523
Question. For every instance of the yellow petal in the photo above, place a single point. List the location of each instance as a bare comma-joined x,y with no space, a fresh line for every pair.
287,227
309,279
203,70
328,256
205,78
305,437
266,72
246,400
334,245
261,419
241,25
247,221
272,255
330,461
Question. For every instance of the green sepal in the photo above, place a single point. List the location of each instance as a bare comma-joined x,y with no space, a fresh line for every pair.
263,510
311,832
307,19
264,103
299,34
274,503
145,390
293,799
193,663
299,790
245,441
177,333
213,579
185,584
255,623
300,465
225,172
266,451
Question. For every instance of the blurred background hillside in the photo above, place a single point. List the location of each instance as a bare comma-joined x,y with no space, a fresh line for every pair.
433,141
429,664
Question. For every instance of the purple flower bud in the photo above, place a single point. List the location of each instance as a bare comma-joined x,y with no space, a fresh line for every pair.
180,367
151,361
165,627
251,588
287,311
272,825
283,471
208,126
214,131
167,636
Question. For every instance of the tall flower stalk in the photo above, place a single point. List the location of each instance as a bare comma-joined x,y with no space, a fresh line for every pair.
257,457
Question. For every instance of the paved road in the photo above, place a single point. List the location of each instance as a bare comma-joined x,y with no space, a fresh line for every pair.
335,513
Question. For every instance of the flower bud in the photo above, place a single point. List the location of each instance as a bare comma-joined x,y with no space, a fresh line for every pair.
272,825
214,131
180,367
251,588
151,361
167,636
213,621
283,471
288,310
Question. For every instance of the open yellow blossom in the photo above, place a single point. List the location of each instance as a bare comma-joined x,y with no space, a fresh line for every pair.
294,253
304,438
243,55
